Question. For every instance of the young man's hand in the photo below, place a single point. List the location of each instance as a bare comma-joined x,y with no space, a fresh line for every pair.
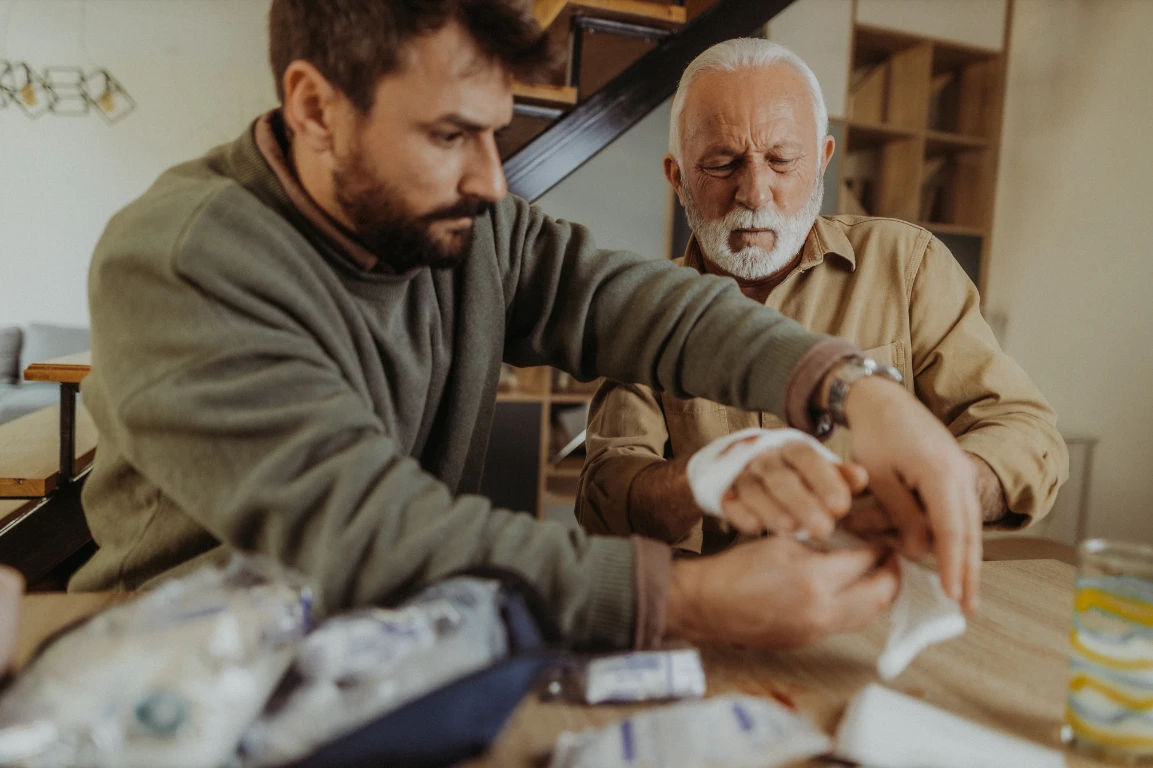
775,593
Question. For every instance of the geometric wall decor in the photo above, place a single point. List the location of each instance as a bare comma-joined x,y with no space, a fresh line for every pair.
63,91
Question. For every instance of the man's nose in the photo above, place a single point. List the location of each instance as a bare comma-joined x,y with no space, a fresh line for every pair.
755,186
484,176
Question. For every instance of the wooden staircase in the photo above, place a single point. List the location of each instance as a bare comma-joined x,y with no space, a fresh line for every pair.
603,38
625,57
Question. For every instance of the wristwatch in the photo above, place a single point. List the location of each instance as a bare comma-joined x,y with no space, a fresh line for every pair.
844,375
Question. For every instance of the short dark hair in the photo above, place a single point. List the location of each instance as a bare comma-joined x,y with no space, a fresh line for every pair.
356,42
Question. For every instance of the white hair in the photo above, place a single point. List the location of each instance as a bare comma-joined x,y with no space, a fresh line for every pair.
734,56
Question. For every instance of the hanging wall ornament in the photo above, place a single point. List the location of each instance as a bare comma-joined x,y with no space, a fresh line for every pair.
108,96
7,83
67,88
32,93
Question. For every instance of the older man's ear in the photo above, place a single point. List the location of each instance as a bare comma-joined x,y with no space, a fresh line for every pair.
827,149
673,174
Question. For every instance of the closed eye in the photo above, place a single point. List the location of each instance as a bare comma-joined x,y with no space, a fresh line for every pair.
722,169
448,138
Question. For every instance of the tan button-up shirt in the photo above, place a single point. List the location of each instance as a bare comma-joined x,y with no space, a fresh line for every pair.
896,292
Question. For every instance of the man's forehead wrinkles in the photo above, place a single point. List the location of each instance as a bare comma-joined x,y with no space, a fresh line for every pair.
774,135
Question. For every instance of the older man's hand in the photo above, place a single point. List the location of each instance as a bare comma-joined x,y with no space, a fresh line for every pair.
922,478
792,488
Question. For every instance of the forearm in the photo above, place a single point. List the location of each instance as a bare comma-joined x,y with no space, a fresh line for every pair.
660,501
618,315
989,491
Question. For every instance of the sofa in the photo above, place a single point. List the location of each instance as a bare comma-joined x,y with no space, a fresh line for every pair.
19,347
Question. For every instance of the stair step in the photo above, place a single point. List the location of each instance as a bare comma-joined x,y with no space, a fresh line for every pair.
665,15
558,95
639,11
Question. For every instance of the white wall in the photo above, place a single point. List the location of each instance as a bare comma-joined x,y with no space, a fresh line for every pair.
621,194
821,33
973,22
1071,267
198,71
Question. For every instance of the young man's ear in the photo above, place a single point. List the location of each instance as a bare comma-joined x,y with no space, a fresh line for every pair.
309,104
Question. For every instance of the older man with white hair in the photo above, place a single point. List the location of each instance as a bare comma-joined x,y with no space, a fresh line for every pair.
748,145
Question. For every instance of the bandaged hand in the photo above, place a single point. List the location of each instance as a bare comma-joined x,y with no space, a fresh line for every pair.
777,480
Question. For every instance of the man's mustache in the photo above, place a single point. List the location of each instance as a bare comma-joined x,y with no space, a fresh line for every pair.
465,208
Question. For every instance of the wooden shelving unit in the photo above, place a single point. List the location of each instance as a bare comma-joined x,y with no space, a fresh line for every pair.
923,124
553,391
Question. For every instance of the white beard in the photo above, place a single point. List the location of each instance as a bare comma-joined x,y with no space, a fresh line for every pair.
754,262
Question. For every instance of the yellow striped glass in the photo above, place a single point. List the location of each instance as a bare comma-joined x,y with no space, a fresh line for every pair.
1109,711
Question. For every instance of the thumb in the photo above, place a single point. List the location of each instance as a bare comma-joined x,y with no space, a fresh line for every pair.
855,475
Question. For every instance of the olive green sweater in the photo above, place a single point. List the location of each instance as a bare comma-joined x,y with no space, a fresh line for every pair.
257,390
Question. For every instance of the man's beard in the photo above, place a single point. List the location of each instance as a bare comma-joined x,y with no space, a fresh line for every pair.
753,262
382,225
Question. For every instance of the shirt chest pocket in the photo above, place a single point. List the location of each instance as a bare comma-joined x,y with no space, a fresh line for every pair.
694,423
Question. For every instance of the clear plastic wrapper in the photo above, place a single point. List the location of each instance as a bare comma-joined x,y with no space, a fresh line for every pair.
644,676
362,665
171,678
723,732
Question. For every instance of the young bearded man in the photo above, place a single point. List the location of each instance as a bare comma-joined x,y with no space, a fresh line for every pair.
297,341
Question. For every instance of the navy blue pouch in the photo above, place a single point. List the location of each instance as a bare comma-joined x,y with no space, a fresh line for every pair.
460,720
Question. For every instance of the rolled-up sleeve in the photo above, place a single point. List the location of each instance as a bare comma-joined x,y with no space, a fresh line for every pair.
983,396
626,433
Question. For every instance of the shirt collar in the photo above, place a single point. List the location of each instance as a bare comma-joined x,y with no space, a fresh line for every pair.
274,148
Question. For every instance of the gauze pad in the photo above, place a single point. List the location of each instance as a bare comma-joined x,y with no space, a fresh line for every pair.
713,469
923,615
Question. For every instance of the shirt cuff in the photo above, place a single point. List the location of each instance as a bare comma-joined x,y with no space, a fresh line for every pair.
654,564
807,375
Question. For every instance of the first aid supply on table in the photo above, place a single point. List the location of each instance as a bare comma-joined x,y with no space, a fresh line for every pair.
361,665
723,732
884,728
644,676
170,679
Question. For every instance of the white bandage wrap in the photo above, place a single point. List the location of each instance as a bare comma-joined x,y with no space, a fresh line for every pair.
713,468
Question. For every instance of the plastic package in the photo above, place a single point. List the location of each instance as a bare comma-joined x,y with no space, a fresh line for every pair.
359,666
723,732
883,727
644,676
170,679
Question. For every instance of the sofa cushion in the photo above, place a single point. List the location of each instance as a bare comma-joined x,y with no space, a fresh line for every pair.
21,400
44,342
10,339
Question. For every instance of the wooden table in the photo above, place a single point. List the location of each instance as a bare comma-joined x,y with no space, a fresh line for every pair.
1007,671
68,372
